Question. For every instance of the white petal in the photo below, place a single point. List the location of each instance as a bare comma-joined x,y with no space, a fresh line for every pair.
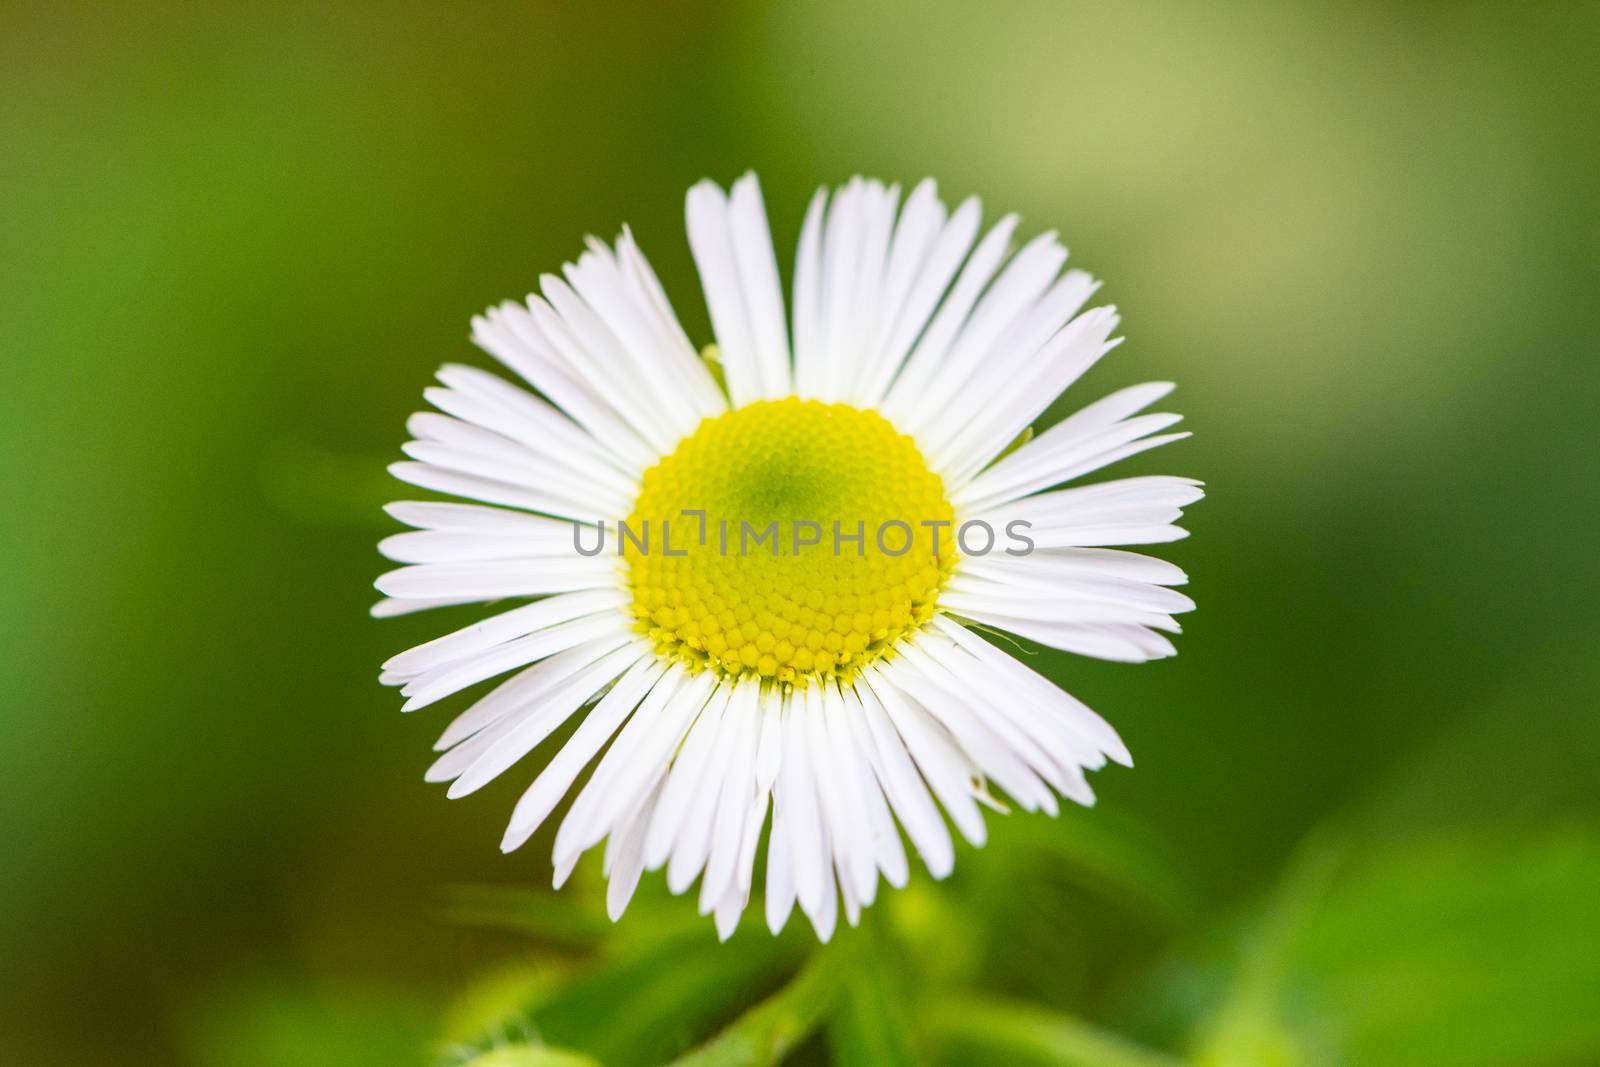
484,399
687,364
598,726
547,491
1119,642
1109,563
628,864
500,746
442,681
841,260
1116,406
450,546
1065,451
860,314
758,276
928,288
810,342
850,733
1024,280
904,787
922,367
735,798
724,240
914,238
947,770
492,491
499,578
522,689
1025,368
755,821
973,598
497,629
811,862
693,843
1031,726
825,916
728,912
1003,753
780,889
458,445
468,518
1023,396
510,334
634,761
691,768
1150,499
1094,730
622,304
561,871
637,759
1041,583
388,608
842,805
1095,535
591,354
769,749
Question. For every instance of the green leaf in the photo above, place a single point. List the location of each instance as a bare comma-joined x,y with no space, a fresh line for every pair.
1472,950
638,1002
871,1024
644,1006
531,1056
1475,951
772,1029
977,1030
495,1007
1247,1029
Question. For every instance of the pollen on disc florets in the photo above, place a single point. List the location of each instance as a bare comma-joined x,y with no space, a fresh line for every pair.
748,595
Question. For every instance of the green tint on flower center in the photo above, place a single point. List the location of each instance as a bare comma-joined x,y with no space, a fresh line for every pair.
774,581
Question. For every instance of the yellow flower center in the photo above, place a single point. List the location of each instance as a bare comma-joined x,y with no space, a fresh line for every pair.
825,538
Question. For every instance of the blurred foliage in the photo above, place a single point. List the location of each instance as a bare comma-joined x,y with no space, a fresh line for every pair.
236,240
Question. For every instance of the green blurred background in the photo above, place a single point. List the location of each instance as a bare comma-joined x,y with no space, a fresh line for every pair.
236,240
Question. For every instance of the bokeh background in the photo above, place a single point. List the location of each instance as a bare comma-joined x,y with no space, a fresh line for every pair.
236,240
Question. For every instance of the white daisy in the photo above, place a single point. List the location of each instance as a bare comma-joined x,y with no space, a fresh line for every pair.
837,687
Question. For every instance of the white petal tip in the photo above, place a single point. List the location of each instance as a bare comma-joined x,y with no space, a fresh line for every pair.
703,190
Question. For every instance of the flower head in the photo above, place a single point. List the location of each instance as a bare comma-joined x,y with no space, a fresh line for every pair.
753,574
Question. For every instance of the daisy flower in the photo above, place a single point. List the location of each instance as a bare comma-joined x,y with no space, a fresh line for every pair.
824,688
